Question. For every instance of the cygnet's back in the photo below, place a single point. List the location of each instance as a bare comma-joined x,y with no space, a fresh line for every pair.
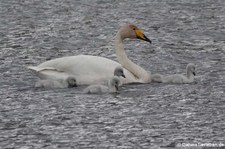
177,78
49,83
98,88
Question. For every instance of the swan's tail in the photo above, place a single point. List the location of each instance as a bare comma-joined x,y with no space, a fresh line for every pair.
48,73
38,69
34,69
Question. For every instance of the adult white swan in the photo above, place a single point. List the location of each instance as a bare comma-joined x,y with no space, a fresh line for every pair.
88,69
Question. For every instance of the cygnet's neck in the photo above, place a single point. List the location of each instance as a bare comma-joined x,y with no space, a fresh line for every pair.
190,75
136,70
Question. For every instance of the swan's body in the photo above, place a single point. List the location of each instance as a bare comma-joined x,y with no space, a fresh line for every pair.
89,69
177,78
98,88
49,83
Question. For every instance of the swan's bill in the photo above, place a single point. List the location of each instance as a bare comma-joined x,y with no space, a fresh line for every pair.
141,35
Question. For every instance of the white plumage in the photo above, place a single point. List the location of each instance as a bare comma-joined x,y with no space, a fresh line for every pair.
89,69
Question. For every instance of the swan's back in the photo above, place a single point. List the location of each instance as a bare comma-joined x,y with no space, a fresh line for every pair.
86,62
87,69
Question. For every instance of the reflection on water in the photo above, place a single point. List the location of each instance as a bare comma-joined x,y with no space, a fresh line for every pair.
139,116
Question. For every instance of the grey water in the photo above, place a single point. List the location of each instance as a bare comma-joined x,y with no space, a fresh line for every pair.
139,116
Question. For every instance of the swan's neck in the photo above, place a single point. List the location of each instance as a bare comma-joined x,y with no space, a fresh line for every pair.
136,70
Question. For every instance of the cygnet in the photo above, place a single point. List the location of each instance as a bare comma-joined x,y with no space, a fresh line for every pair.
67,83
113,86
177,78
119,72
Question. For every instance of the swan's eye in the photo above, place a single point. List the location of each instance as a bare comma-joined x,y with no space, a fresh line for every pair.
134,29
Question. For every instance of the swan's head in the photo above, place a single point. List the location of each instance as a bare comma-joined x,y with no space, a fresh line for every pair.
119,72
191,69
71,82
115,82
132,31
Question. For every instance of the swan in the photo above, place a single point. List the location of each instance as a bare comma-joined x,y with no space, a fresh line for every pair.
88,69
113,86
49,83
177,78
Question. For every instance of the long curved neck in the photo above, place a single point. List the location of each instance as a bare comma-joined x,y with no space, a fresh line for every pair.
136,70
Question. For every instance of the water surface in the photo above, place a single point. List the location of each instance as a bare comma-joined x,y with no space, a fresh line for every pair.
140,116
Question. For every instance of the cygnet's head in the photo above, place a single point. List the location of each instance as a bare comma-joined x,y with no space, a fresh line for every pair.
119,72
71,82
131,31
115,82
191,69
